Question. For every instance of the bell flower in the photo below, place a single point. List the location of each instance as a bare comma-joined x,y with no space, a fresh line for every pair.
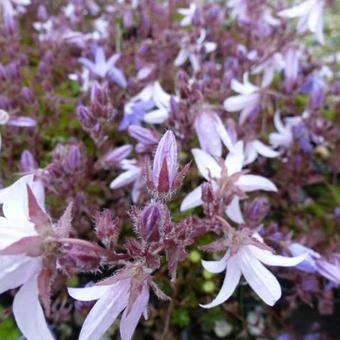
126,292
102,67
246,256
133,174
227,177
310,14
246,102
193,51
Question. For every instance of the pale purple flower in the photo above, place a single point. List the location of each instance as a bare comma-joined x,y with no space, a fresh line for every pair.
310,14
252,148
113,297
21,270
9,9
102,67
219,174
164,170
315,263
192,52
154,93
283,138
188,14
133,174
246,102
134,112
291,69
247,258
269,67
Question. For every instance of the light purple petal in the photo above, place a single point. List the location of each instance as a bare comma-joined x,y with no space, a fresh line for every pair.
130,320
193,199
105,312
232,278
235,159
29,314
16,270
216,266
21,121
260,279
233,210
125,178
206,164
253,182
89,293
270,259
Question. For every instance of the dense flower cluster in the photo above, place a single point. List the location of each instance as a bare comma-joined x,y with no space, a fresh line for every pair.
138,135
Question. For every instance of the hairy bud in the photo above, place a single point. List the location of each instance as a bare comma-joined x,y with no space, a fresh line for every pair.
257,209
107,228
27,161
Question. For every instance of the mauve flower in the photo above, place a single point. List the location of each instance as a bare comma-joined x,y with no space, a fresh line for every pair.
228,174
164,170
154,93
283,138
252,148
247,101
123,293
133,174
246,256
193,51
310,14
21,270
102,67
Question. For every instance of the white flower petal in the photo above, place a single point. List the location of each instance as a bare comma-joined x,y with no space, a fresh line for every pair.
16,270
15,200
253,182
104,313
233,211
192,200
270,259
206,164
235,159
158,116
29,314
265,150
232,278
260,279
89,293
125,178
216,266
182,57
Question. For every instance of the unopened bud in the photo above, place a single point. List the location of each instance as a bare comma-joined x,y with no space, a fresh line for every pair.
73,159
85,117
151,222
257,209
107,228
27,95
165,163
208,195
142,135
27,161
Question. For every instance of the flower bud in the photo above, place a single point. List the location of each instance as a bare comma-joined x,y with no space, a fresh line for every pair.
142,135
73,159
107,228
85,117
165,163
151,222
27,162
257,209
27,95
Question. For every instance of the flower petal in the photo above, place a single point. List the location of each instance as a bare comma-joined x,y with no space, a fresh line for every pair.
260,279
125,178
216,266
270,259
16,270
130,320
105,312
89,293
29,314
265,150
230,282
193,199
206,164
253,182
235,159
233,210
